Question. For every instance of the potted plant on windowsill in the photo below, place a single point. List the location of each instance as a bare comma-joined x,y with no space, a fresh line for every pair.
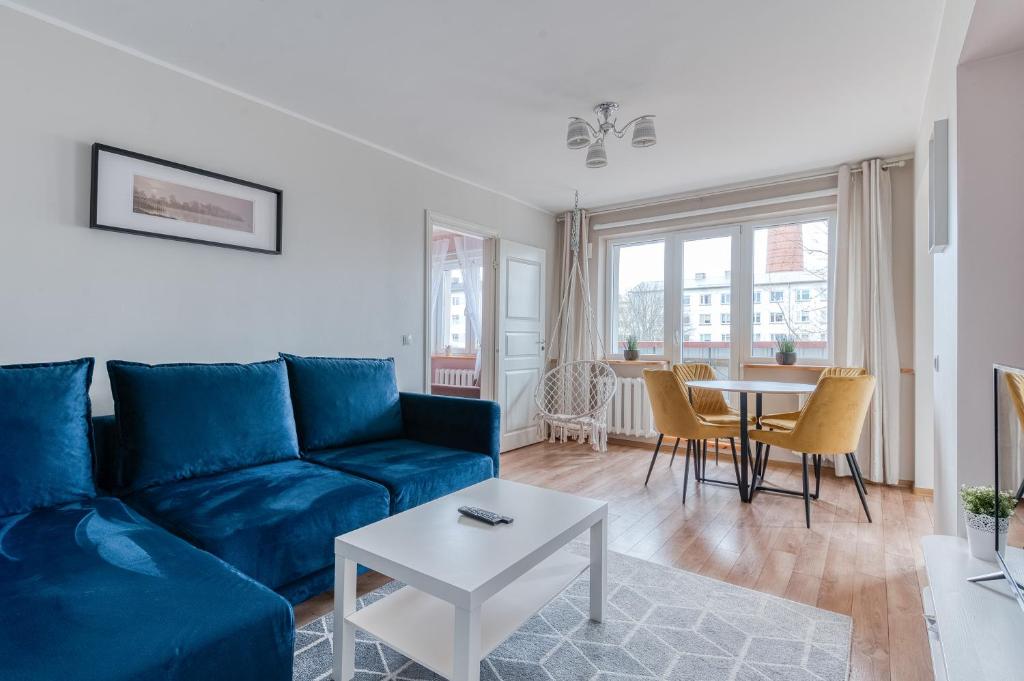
632,351
979,512
786,354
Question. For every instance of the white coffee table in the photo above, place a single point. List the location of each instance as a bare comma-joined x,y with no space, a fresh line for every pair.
469,585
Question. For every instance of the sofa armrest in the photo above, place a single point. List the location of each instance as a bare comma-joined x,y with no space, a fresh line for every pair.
456,422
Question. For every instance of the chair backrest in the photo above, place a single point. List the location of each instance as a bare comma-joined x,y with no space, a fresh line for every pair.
843,371
832,419
576,390
673,414
704,401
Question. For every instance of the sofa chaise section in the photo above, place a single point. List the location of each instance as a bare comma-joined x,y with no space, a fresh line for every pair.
90,590
352,418
210,452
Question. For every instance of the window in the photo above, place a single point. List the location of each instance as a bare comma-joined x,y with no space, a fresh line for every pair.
725,318
757,337
700,276
780,336
725,298
726,338
757,318
686,300
705,320
791,260
757,297
705,338
686,319
639,281
705,299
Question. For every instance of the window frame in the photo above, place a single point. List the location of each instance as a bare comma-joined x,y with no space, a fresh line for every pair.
741,282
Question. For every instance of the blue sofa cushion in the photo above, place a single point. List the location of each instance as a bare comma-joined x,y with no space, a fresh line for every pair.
276,522
45,435
92,591
414,472
340,402
178,421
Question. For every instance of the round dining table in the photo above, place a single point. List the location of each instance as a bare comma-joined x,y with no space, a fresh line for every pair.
746,484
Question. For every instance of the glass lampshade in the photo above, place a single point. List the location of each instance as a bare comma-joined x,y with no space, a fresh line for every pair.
596,155
578,135
643,133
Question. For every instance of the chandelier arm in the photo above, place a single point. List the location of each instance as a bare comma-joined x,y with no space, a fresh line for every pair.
620,133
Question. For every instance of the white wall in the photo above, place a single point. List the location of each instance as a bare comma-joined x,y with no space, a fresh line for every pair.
935,312
349,282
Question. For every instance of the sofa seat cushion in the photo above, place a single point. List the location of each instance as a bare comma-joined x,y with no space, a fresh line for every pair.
276,522
414,472
344,401
179,421
45,435
92,591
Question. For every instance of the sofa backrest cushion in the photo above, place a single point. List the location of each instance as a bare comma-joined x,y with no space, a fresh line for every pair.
178,421
342,401
45,435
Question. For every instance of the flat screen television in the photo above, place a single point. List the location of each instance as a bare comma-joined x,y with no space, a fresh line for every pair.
1008,397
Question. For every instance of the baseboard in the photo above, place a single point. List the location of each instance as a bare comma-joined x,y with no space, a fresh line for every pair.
923,491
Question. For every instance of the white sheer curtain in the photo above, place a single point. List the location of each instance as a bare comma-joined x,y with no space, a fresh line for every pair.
438,255
865,313
471,262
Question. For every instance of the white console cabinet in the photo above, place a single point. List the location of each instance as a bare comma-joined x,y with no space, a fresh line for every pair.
976,630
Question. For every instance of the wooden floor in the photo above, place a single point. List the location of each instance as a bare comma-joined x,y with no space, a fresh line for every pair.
871,571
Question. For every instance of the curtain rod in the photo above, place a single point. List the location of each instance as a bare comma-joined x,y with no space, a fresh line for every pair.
894,162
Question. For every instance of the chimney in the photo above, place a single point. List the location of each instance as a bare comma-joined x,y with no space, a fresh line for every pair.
785,249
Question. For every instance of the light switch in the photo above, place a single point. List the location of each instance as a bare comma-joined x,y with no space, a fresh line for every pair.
406,339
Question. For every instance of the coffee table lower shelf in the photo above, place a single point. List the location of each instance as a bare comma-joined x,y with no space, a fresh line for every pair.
421,626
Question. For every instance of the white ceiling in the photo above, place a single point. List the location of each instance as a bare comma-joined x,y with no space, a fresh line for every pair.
481,89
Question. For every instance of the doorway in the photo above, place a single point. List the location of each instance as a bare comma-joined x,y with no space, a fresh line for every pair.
459,309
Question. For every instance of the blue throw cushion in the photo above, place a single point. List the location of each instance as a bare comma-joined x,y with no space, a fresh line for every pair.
414,472
276,523
341,401
178,421
45,435
92,591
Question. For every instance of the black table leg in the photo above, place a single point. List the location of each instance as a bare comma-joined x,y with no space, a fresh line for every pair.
744,448
758,411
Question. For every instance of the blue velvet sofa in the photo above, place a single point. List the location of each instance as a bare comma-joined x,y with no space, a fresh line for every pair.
89,588
227,484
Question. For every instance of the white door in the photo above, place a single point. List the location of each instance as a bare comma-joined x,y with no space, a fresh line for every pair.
519,346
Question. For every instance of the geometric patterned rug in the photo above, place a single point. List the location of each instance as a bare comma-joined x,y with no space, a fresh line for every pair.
660,623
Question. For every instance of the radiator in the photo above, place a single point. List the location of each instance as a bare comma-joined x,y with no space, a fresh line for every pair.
629,412
465,378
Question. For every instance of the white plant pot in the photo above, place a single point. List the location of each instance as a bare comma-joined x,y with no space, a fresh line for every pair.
980,539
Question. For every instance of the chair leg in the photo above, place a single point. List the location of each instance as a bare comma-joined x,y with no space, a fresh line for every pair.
654,457
686,470
704,460
735,460
860,475
764,461
674,448
716,452
695,449
817,476
807,495
1020,491
855,469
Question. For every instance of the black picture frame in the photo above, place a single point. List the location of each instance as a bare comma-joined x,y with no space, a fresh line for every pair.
98,148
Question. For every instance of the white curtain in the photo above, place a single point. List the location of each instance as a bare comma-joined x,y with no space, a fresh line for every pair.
471,262
865,314
575,336
438,255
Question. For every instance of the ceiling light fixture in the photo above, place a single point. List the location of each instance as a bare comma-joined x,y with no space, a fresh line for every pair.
582,134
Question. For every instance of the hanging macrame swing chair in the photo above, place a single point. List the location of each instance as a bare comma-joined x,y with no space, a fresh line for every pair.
573,397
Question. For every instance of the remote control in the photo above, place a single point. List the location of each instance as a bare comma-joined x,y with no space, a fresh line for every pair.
482,515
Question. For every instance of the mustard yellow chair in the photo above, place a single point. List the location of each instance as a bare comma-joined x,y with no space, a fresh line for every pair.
710,405
829,425
787,420
674,416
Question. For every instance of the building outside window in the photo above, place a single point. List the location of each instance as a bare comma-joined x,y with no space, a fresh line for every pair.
757,318
700,276
777,296
705,299
757,297
705,338
803,295
705,320
777,318
725,298
725,317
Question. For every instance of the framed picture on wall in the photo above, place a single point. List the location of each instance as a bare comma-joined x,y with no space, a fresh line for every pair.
149,196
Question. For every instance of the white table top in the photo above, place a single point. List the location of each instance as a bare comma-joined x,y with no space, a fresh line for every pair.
437,550
774,387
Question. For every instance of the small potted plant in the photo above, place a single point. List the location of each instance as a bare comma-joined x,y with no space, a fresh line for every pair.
979,511
632,351
786,354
